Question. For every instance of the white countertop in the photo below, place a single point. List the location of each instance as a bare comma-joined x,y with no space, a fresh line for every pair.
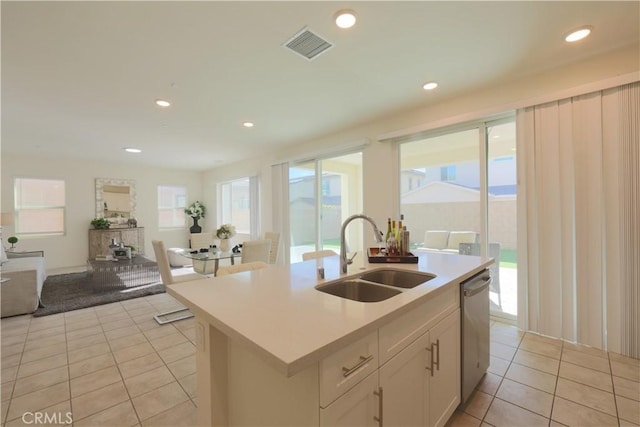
278,313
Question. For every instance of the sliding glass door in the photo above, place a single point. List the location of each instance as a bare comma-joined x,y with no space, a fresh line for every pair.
322,193
502,216
458,195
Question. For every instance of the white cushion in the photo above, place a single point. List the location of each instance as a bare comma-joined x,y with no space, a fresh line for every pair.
457,237
177,260
436,239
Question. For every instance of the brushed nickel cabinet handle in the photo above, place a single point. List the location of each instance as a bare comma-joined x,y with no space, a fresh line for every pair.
438,354
363,360
431,359
379,417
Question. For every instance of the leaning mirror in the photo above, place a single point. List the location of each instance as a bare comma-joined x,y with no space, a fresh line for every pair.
115,199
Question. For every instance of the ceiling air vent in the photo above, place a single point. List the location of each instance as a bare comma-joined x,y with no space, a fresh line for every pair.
308,44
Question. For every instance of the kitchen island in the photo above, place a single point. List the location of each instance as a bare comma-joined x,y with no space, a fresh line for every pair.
273,350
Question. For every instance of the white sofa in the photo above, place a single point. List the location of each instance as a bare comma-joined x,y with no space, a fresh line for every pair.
447,241
22,280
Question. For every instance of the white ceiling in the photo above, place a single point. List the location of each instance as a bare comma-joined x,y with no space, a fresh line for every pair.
79,79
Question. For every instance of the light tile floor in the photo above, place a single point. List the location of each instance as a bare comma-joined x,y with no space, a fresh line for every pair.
113,365
110,365
538,381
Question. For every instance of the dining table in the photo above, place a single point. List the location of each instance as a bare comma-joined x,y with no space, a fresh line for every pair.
205,256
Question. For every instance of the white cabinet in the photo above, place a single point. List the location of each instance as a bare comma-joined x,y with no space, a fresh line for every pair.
360,406
405,387
405,373
399,333
444,381
419,373
347,367
421,384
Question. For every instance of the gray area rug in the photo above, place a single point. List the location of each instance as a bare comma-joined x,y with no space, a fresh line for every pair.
66,292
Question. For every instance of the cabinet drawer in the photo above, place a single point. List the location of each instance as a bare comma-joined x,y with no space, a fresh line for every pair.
404,330
347,367
358,407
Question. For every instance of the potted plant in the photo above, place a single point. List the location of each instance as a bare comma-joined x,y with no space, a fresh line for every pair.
100,223
13,240
196,211
224,233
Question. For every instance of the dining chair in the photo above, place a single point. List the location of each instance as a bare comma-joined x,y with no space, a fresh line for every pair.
169,279
248,266
318,254
201,240
256,250
275,245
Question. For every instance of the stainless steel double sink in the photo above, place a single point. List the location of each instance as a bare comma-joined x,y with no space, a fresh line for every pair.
376,285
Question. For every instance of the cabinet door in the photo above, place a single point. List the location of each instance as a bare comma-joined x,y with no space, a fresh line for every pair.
444,385
404,384
357,407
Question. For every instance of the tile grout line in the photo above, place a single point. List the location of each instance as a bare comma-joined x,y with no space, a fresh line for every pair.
555,388
613,387
15,380
162,360
71,399
118,368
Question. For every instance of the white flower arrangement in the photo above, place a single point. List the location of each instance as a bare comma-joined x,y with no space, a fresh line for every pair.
226,231
196,210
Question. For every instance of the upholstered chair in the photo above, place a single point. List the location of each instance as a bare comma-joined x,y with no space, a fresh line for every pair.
247,266
256,250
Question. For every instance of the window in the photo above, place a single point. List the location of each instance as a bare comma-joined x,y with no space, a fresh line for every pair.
238,203
322,194
39,206
448,173
171,204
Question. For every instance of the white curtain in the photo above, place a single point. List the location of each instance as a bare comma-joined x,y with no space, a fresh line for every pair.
254,212
579,208
280,206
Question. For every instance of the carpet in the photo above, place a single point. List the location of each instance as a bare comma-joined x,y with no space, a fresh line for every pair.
66,292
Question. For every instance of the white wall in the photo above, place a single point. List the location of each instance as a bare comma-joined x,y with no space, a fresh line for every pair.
70,251
380,158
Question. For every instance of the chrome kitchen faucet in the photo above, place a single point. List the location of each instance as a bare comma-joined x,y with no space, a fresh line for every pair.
343,244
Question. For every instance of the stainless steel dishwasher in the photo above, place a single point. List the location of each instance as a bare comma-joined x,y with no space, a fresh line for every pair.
474,295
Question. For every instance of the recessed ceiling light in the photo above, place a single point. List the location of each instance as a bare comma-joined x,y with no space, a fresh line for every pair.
345,18
430,86
578,34
133,150
247,124
162,103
